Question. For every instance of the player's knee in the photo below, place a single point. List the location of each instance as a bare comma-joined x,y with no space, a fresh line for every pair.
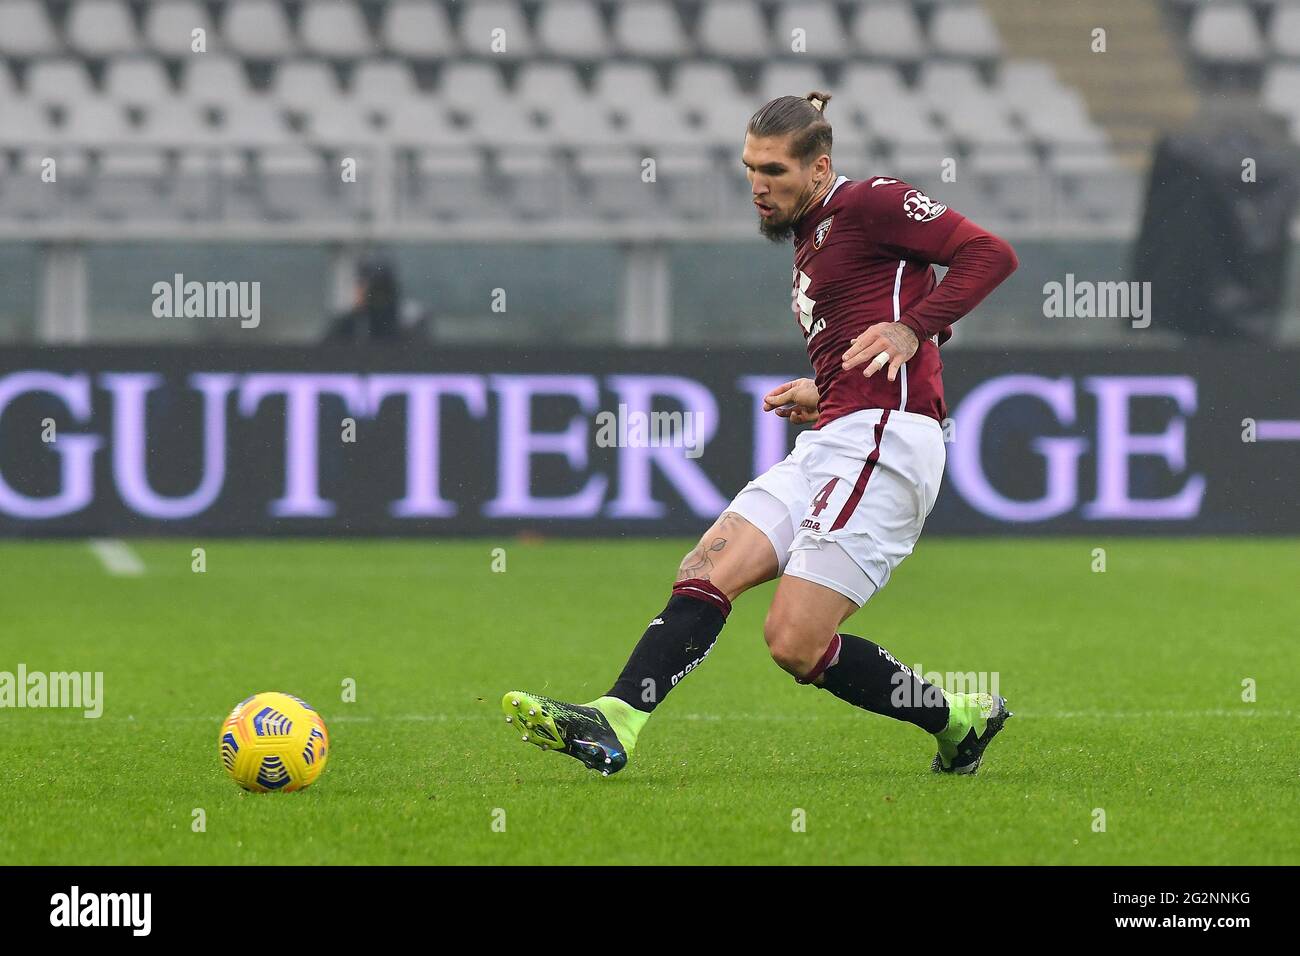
789,644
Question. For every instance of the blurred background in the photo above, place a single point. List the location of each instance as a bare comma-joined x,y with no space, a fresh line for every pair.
474,228
415,153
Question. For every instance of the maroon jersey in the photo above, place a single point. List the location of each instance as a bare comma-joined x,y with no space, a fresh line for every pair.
864,256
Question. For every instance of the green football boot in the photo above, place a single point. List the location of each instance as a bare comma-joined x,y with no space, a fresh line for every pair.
973,721
600,734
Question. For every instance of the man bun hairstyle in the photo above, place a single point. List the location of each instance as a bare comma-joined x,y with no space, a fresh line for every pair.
802,118
818,100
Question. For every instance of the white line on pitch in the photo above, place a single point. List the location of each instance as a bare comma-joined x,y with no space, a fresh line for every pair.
1256,714
117,557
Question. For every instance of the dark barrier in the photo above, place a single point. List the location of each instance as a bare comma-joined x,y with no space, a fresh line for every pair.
269,441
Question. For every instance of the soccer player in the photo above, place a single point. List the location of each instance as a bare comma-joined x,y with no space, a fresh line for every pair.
835,518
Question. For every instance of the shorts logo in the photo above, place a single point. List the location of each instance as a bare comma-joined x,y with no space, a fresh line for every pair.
921,208
823,229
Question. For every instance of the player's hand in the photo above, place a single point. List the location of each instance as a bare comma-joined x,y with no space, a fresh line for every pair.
883,344
795,400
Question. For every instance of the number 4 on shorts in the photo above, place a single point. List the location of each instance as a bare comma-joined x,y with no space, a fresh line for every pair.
823,498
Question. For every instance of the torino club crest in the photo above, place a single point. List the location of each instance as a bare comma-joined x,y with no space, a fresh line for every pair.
823,230
917,205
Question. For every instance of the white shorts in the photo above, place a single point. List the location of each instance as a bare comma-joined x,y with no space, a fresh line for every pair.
848,504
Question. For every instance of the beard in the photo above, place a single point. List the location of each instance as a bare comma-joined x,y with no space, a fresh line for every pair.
781,229
775,230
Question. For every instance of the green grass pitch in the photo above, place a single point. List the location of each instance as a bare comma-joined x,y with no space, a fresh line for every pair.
1127,684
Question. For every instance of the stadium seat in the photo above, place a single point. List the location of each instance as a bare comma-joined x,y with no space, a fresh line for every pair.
382,84
169,26
417,30
422,123
965,31
1281,89
257,29
25,122
1061,118
968,108
467,88
495,21
888,31
335,126
789,79
698,81
541,84
569,114
733,30
176,122
945,81
651,29
215,79
636,103
8,86
1284,31
862,82
858,162
93,122
658,123
626,84
59,82
709,92
823,32
1226,35
305,85
505,123
254,123
905,127
1058,116
137,80
26,30
572,29
1029,88
582,125
336,30
99,28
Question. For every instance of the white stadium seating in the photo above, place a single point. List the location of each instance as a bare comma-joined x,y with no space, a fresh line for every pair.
561,91
417,30
651,29
26,30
